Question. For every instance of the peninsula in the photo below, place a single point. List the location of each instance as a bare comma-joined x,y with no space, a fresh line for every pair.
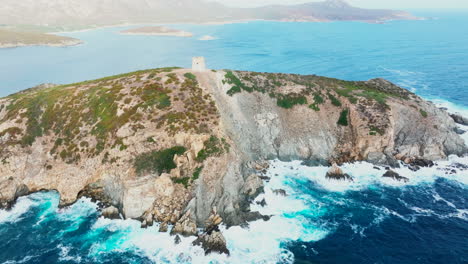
187,148
12,39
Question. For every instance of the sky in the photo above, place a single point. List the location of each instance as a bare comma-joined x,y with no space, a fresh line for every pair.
399,4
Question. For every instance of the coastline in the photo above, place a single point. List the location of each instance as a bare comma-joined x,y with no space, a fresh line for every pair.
57,45
227,22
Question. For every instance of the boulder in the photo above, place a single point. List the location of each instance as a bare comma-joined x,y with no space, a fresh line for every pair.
395,176
163,227
459,119
110,212
421,162
335,173
186,226
459,131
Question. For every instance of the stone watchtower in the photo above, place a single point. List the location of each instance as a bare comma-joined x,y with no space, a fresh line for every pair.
198,64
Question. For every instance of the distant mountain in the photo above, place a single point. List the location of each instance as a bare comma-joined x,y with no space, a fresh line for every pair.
107,12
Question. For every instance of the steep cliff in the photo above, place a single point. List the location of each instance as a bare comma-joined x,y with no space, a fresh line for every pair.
173,146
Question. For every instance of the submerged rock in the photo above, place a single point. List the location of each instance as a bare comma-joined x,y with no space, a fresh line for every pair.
335,173
395,176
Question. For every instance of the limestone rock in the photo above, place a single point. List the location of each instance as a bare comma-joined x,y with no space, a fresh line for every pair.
186,226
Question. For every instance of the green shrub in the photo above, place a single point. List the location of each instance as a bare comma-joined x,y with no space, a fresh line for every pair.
237,84
343,120
190,76
318,99
314,107
184,181
334,100
423,113
196,173
375,130
212,147
158,161
290,100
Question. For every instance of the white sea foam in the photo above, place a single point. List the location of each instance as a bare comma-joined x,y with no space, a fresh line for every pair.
22,206
64,255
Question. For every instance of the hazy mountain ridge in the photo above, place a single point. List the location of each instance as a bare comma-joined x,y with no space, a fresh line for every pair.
107,12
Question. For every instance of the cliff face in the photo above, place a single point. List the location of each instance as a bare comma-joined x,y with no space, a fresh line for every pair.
172,146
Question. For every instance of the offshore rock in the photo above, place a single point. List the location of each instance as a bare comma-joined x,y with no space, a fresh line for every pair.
280,192
111,212
395,176
212,241
336,173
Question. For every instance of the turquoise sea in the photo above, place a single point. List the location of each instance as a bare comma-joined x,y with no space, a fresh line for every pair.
371,220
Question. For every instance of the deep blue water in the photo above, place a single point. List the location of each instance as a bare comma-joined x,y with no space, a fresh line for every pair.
369,221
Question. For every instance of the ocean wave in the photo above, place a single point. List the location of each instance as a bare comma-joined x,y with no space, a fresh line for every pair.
22,206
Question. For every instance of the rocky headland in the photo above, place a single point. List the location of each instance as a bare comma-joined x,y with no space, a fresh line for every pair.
186,149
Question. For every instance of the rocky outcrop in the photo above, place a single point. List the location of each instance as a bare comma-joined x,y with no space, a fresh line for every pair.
212,240
336,173
459,119
186,226
393,175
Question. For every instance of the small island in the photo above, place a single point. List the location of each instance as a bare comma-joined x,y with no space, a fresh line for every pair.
157,31
13,39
